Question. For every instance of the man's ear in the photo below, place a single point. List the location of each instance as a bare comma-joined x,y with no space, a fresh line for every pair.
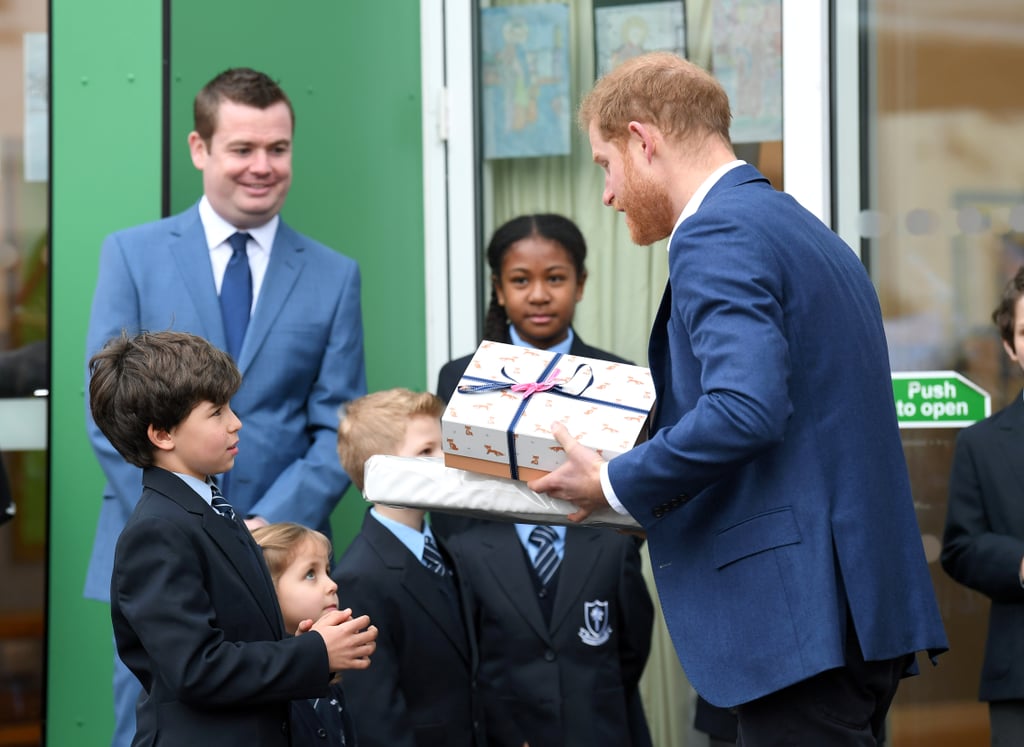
197,149
160,438
646,136
1010,351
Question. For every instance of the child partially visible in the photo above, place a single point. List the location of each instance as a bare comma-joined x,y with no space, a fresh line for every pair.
299,560
983,542
193,607
419,691
538,272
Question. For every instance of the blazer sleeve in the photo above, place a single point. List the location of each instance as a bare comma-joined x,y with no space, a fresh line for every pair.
973,552
637,612
379,708
115,306
205,651
743,411
449,376
313,485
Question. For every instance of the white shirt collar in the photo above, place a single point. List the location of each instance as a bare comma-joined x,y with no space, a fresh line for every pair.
693,204
218,230
408,536
202,487
562,347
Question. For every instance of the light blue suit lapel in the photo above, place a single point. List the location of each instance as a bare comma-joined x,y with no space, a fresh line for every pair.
188,246
287,259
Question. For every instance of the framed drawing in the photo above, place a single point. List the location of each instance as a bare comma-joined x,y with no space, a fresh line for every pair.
525,80
624,29
747,60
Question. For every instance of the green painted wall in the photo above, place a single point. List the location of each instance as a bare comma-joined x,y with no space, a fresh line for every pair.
106,173
353,73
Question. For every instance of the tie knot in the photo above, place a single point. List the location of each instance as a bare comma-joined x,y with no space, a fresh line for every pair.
238,241
542,536
432,557
220,504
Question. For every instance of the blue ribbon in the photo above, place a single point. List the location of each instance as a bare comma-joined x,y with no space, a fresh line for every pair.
491,385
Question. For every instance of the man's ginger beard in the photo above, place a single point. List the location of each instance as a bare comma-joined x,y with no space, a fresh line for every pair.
649,213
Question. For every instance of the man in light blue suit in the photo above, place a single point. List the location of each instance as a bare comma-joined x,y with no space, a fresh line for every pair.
773,489
297,338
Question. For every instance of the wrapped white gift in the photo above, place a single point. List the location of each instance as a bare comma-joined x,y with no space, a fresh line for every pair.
498,421
425,482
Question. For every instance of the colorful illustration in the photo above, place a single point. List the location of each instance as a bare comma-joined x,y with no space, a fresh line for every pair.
526,110
625,31
747,59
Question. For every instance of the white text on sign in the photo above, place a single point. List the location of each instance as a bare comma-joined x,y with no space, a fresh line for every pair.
940,401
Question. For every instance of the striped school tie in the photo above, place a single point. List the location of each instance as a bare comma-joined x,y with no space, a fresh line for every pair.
432,557
547,560
220,504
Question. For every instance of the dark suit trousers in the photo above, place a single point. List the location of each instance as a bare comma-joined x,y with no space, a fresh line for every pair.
1006,718
839,708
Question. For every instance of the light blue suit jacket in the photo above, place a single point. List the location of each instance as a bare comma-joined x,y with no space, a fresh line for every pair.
774,489
301,359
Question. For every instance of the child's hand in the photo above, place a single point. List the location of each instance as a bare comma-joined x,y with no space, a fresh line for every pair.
306,625
350,641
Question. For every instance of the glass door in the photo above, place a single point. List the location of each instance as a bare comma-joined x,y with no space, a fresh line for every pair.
928,165
24,364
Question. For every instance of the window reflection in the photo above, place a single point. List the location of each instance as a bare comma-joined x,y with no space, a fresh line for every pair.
24,365
941,223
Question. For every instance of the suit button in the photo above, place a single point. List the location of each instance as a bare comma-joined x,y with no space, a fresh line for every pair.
549,655
284,727
322,733
542,593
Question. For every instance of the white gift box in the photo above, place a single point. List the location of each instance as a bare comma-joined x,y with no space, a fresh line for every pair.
498,421
426,483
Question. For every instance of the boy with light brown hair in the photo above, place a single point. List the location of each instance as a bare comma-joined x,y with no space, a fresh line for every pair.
419,691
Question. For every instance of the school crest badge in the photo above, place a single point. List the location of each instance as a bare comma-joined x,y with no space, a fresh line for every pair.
595,630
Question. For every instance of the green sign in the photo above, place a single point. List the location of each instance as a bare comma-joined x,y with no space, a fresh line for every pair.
938,399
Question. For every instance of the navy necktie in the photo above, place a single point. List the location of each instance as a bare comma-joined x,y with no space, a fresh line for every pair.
236,294
547,560
432,557
220,504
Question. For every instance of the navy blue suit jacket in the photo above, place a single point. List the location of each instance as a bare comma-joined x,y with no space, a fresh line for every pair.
301,359
196,619
419,690
984,539
553,682
774,489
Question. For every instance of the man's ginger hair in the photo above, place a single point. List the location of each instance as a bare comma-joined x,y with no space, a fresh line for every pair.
678,97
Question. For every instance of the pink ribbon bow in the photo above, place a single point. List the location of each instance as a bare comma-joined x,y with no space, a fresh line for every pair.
532,387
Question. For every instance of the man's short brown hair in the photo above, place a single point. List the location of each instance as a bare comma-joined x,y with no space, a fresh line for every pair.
660,88
376,424
241,85
155,378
